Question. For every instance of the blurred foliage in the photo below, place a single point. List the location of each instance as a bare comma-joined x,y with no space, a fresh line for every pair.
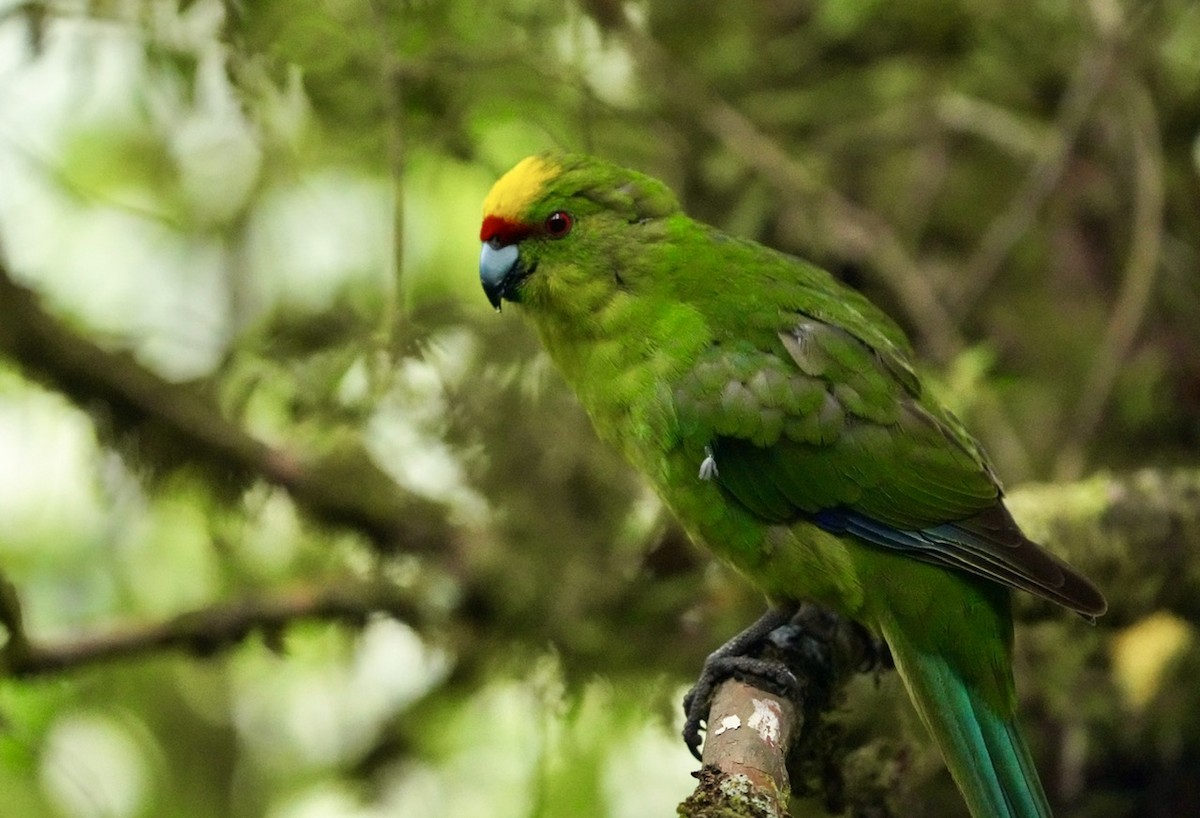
274,205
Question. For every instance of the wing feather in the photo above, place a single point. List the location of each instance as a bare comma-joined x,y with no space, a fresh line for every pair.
834,427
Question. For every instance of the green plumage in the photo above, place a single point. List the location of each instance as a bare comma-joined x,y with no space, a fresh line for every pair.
838,477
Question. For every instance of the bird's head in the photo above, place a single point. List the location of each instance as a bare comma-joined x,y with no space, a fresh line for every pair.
557,232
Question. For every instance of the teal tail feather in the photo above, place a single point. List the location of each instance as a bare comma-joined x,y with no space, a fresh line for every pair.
982,744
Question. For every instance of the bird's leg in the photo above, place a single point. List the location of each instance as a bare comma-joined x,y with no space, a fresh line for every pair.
791,650
736,658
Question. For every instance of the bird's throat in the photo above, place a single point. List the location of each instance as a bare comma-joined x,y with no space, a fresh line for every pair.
622,362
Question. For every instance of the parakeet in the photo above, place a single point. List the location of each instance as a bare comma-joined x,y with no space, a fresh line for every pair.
777,413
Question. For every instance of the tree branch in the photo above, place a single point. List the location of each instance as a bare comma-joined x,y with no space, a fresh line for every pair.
752,734
202,631
1136,535
345,487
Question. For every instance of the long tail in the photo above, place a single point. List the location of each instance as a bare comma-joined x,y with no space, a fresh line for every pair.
982,746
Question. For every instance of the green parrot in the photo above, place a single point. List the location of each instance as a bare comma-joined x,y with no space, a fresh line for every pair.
778,414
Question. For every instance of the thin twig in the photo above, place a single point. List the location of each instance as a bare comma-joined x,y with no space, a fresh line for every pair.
1092,75
1141,269
391,94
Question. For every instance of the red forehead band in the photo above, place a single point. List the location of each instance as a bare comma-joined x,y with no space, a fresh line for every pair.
495,227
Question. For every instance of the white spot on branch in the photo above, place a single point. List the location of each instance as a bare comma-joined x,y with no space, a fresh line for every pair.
766,721
728,723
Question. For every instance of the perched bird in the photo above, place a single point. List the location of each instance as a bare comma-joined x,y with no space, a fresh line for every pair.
777,413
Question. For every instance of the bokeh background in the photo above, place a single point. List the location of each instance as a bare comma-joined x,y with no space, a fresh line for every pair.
293,525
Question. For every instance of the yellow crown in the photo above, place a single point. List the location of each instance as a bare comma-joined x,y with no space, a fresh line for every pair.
516,190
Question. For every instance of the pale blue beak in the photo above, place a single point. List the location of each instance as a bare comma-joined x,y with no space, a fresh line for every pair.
496,266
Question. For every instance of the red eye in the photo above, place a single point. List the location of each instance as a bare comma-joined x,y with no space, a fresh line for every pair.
559,224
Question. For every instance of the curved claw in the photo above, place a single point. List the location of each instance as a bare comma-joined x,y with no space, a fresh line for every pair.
766,674
734,658
805,646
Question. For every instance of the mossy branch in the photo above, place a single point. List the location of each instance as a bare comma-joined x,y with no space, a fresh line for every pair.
344,488
753,735
1136,535
203,631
